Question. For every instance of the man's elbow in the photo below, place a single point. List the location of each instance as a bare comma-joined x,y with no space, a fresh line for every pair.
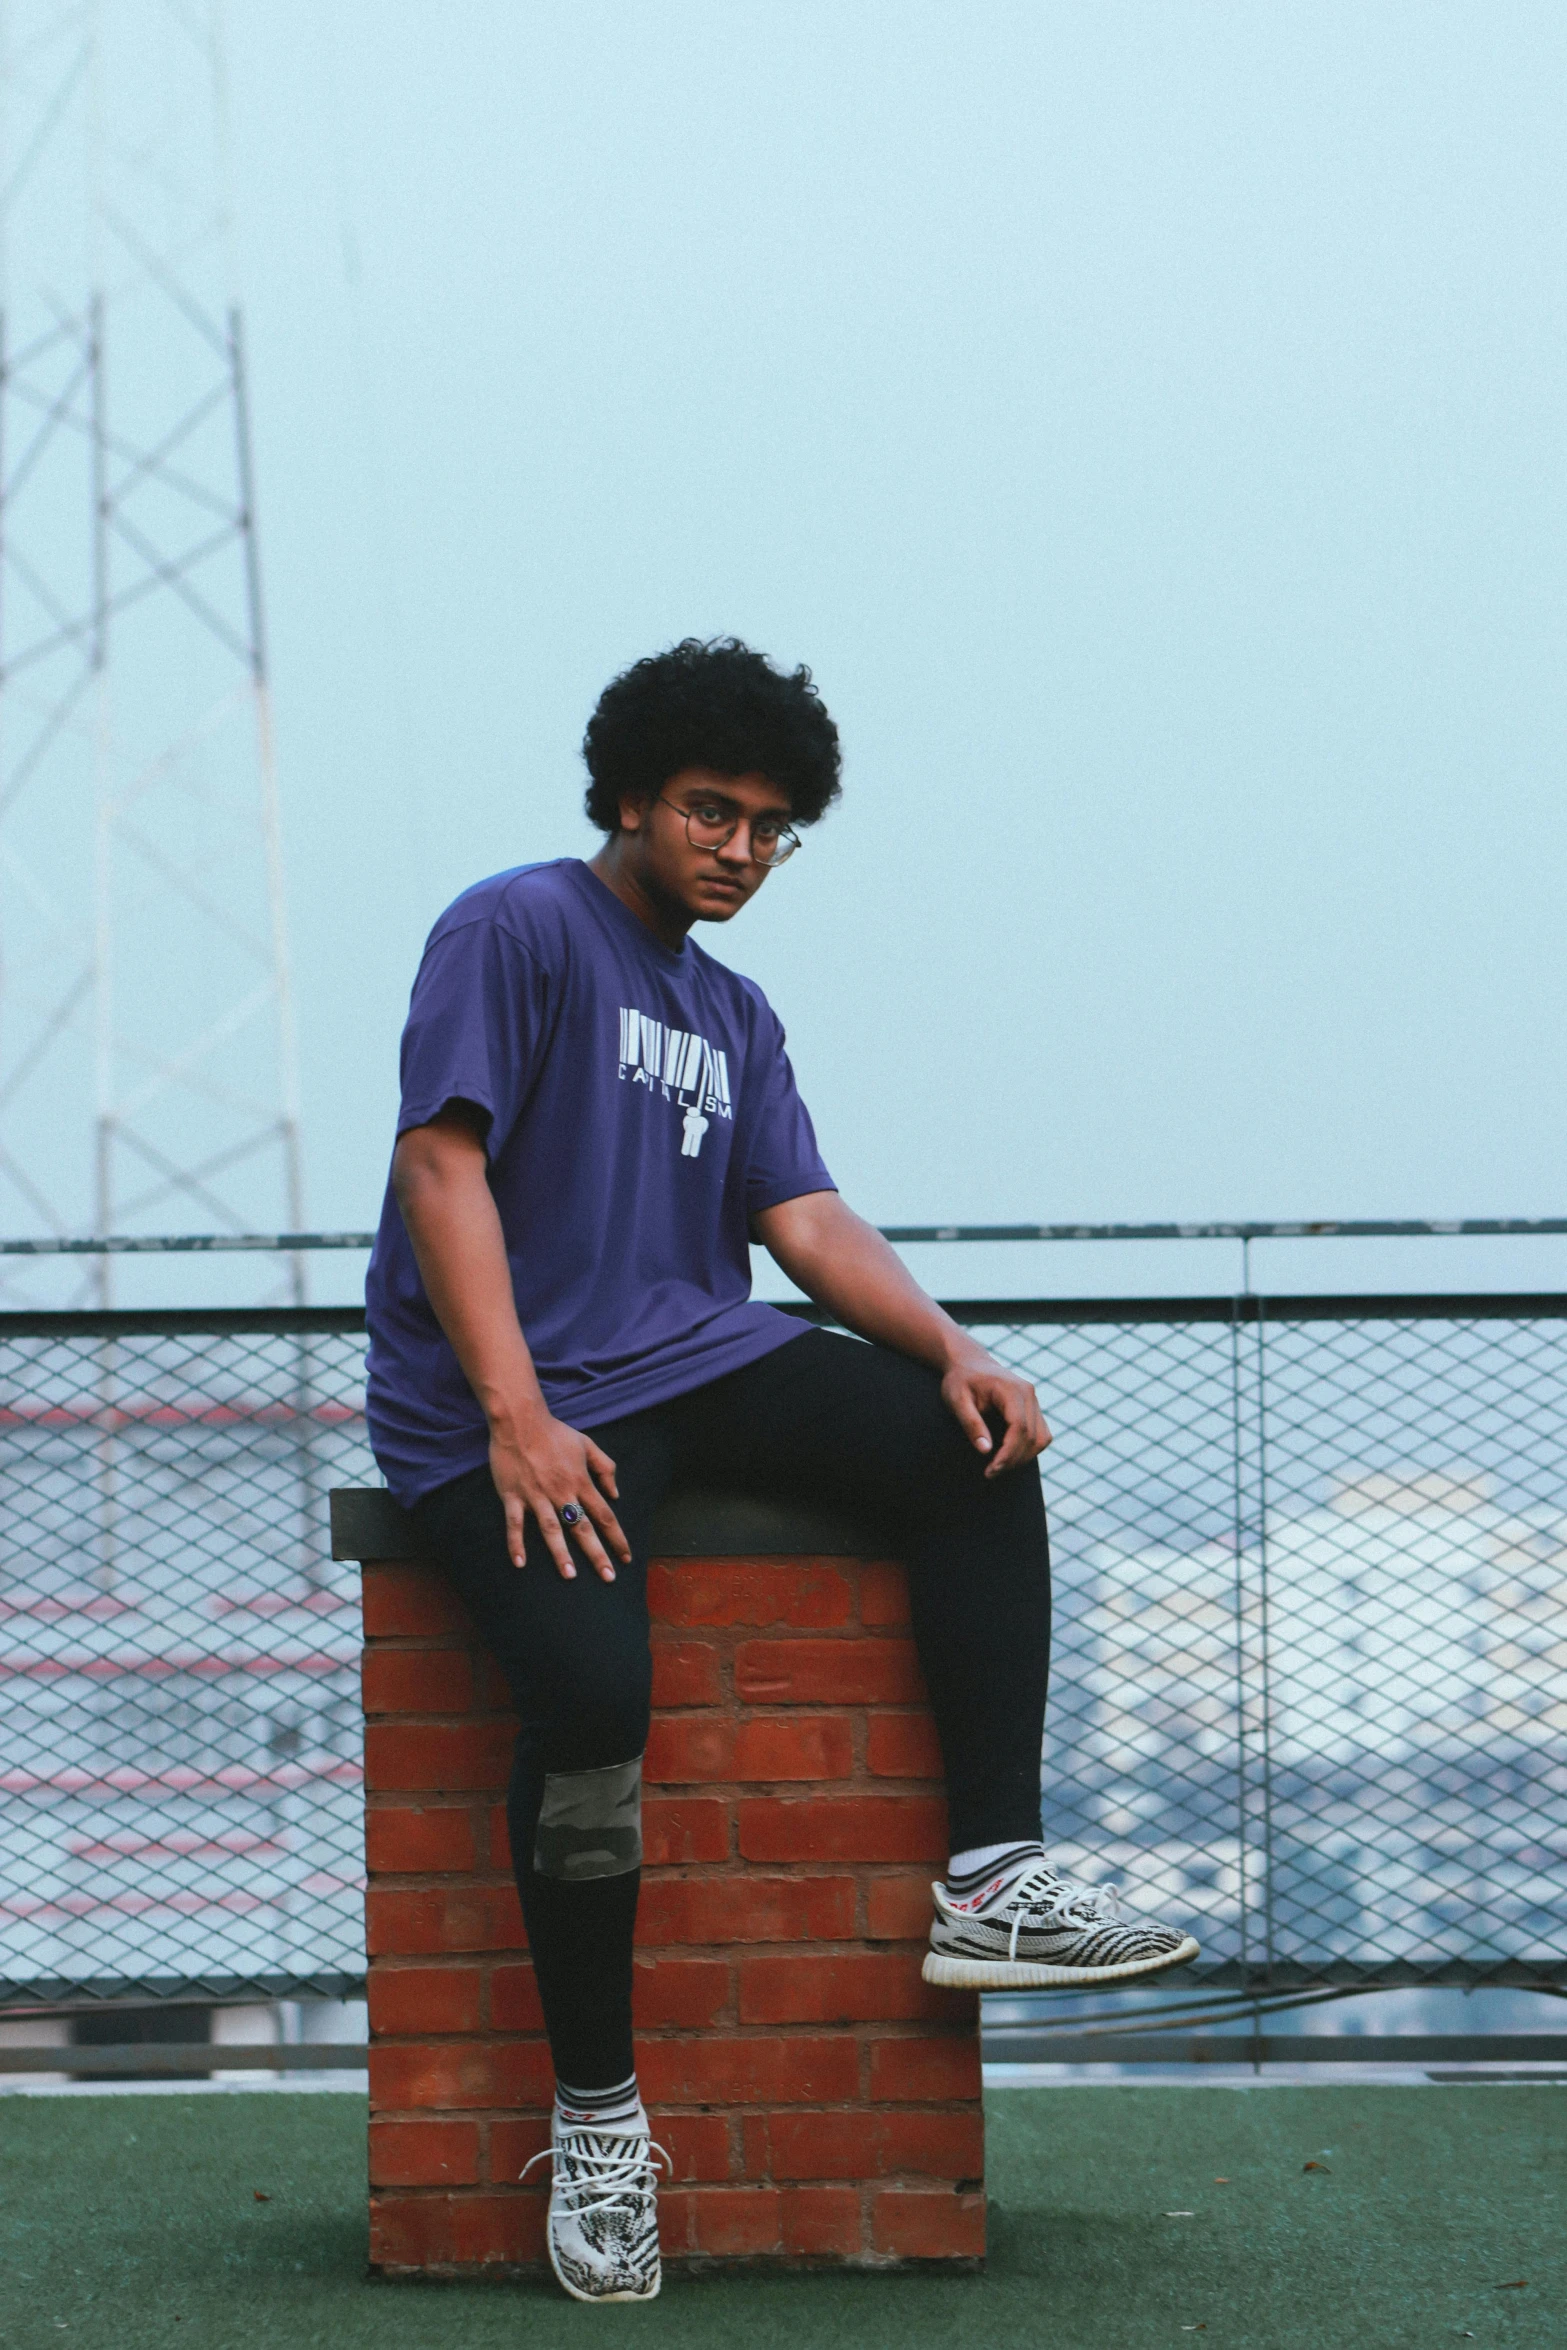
406,1171
427,1160
818,1223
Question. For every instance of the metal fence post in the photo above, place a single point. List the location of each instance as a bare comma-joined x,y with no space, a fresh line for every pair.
1265,1661
1238,1536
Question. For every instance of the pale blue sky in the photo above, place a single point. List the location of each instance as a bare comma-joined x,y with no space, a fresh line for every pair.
1146,417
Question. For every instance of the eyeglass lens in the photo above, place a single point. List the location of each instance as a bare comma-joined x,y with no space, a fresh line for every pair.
711,831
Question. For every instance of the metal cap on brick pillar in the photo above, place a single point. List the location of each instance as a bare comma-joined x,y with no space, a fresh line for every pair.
368,1524
820,2101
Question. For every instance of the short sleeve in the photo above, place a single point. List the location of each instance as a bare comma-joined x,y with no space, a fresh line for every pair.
782,1160
476,1026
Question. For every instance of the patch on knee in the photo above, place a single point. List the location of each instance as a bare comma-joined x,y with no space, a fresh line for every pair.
590,1823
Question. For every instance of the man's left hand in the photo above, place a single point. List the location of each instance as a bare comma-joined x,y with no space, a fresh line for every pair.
976,1386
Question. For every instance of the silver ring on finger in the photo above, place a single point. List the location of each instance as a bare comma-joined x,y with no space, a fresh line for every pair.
571,1515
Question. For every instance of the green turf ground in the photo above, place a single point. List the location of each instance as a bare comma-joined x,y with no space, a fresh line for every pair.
132,2221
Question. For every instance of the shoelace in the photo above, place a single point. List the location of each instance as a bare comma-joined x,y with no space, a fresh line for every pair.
1038,1892
602,2167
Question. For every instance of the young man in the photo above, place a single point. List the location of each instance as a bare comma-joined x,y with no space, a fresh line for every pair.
597,1120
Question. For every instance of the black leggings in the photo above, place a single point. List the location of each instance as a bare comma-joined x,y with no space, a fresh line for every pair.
823,1419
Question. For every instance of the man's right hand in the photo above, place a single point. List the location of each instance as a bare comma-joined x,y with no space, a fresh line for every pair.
541,1466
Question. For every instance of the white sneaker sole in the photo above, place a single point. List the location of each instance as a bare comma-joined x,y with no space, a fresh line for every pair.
1000,1974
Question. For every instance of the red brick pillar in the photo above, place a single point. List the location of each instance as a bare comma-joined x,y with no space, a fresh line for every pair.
821,2104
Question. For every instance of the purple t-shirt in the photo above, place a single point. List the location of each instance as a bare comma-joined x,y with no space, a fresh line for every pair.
641,1111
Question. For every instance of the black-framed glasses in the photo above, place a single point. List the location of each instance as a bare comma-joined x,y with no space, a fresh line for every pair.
709,824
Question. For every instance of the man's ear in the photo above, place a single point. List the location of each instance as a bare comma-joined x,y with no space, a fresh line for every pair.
633,812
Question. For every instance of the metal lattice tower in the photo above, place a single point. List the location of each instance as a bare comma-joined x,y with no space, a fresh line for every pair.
147,1067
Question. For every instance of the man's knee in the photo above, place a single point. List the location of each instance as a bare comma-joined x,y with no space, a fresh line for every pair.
948,1491
590,1823
597,1713
940,1462
582,1765
904,1417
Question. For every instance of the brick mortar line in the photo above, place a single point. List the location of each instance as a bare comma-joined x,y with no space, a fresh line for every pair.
883,1786
783,1711
905,2182
880,1786
744,1709
508,2036
728,1868
866,2027
881,1946
668,1631
481,2117
671,1630
862,2032
871,1783
665,1632
732,1870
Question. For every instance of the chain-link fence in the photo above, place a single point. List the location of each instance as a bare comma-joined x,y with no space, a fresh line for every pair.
180,1746
1311,1628
1311,1593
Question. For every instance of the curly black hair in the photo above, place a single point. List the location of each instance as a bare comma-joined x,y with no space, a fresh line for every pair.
717,705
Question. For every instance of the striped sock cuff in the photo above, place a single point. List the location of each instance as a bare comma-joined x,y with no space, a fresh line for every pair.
616,2107
968,1871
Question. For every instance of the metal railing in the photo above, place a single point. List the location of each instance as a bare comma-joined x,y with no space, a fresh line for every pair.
1311,1619
1351,1228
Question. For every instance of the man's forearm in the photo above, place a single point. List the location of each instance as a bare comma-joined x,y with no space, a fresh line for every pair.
843,1263
846,1266
458,1245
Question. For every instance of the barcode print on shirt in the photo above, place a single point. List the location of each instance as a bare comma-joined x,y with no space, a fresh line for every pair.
674,1057
715,1077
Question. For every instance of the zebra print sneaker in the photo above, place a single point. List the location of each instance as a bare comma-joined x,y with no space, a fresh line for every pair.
1036,1928
603,2220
